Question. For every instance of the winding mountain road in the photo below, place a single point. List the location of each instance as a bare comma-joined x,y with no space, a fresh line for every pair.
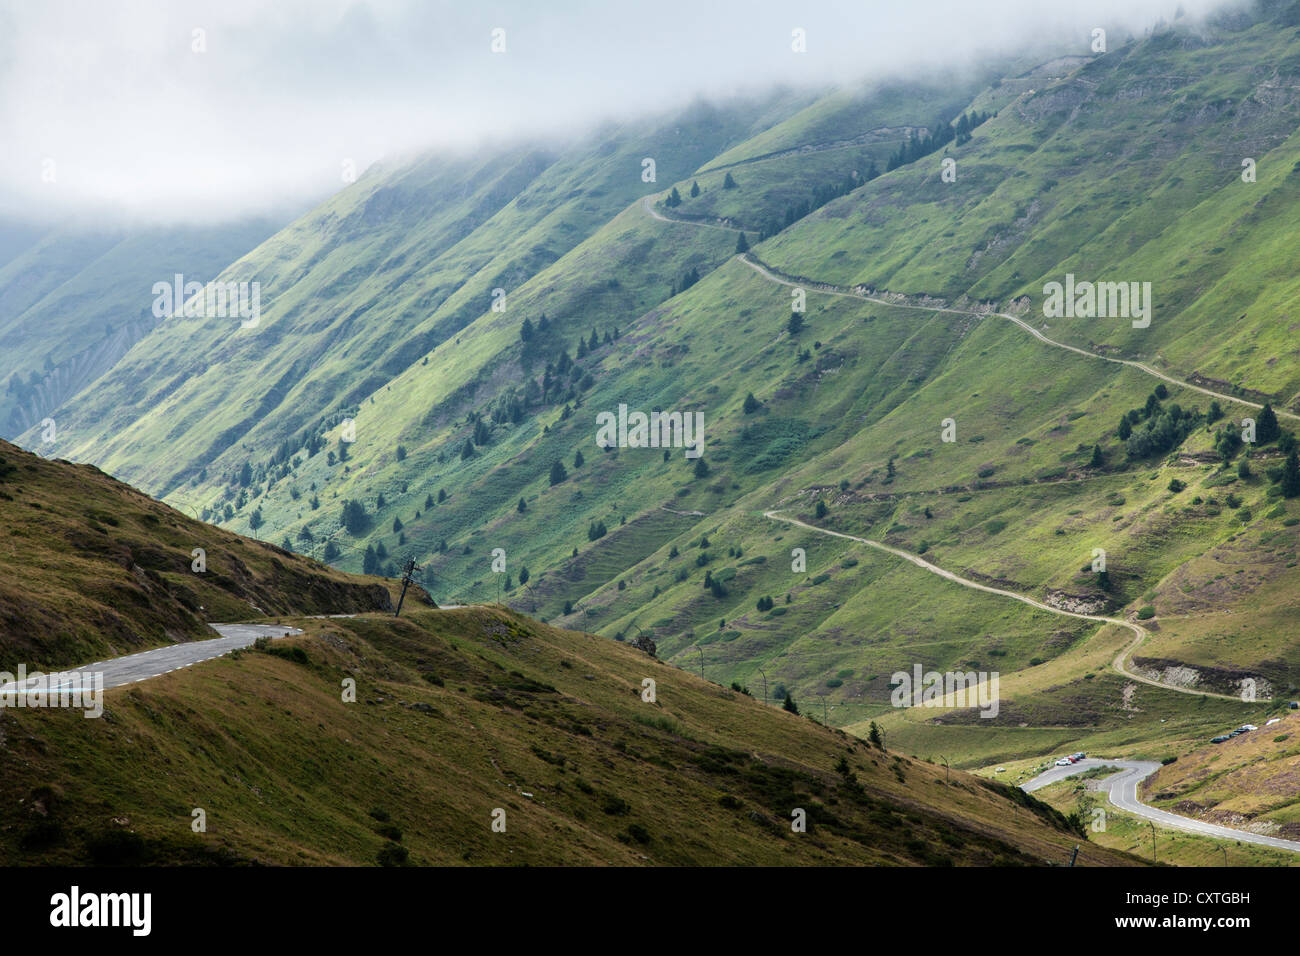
1122,790
142,665
1140,633
826,288
648,204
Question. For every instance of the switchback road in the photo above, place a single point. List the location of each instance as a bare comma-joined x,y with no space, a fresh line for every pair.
1122,790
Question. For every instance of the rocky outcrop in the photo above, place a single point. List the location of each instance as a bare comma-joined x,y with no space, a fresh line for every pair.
1075,603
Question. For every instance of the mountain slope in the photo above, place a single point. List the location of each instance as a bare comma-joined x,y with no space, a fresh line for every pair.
900,407
593,751
365,287
73,302
91,568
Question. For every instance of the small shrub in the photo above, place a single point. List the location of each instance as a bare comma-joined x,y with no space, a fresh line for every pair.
295,654
392,854
616,806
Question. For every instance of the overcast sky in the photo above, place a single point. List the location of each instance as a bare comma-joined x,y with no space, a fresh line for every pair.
111,99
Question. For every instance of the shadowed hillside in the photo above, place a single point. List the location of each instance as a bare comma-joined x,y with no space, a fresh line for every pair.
92,568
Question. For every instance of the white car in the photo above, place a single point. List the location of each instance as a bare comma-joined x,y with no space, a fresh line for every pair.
1275,720
1063,762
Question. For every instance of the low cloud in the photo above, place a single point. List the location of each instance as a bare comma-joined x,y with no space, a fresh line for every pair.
124,109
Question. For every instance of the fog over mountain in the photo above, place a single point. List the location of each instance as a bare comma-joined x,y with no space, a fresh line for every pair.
148,111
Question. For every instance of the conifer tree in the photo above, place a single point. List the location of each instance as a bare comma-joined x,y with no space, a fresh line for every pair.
1266,429
1291,476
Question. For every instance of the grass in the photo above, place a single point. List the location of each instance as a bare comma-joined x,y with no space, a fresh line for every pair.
1126,167
91,568
543,724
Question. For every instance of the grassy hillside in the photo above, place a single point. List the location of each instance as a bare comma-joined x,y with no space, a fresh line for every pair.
74,302
92,568
365,287
463,713
921,401
372,739
1127,168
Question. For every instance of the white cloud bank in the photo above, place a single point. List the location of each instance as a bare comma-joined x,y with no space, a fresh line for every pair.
114,101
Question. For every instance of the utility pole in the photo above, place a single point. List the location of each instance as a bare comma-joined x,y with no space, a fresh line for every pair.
1075,855
407,572
1153,841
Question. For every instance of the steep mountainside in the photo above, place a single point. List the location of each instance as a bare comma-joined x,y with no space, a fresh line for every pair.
474,735
73,302
92,568
958,458
363,287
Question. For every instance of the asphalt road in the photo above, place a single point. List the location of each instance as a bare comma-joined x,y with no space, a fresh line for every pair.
142,665
1122,790
120,671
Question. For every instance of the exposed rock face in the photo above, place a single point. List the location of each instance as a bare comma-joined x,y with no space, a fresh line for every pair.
71,375
644,643
1077,603
1218,680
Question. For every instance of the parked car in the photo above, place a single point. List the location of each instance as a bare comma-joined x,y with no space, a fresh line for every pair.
1295,705
1272,721
1218,740
1079,756
1235,733
1247,728
1064,762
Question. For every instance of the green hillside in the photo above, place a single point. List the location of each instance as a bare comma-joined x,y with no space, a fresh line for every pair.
922,401
92,568
72,303
585,750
